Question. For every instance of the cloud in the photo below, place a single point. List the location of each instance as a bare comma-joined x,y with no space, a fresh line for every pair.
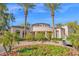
14,8
38,10
66,7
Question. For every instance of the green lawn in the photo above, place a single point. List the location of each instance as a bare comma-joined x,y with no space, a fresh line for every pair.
44,50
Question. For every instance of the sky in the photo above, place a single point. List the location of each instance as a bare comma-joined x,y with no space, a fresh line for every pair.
41,14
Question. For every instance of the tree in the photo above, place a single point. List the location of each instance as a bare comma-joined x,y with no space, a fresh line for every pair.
27,25
74,39
59,25
26,7
53,7
8,40
74,26
5,17
3,8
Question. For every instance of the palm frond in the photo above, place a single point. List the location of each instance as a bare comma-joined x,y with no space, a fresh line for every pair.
27,5
53,6
3,7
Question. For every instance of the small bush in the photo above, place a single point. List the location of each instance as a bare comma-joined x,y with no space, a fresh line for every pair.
74,39
56,39
44,50
49,36
29,37
40,37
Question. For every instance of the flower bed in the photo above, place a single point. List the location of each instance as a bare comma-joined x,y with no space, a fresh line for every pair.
44,50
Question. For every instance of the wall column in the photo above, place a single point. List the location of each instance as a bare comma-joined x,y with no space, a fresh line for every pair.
46,34
35,33
21,34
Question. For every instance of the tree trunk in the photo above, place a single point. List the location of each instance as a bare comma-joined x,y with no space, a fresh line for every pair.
52,14
5,49
26,12
10,46
53,28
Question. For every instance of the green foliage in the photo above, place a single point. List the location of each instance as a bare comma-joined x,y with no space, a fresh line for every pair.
74,39
44,50
53,6
59,25
73,26
56,39
49,36
40,37
29,37
8,39
26,7
5,17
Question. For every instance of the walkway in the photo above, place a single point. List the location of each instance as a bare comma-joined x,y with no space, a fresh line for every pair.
25,43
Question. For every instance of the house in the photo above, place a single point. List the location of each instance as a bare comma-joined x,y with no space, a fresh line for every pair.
19,30
62,32
41,27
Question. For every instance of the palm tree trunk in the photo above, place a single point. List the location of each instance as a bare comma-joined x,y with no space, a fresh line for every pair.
26,12
5,49
53,29
52,14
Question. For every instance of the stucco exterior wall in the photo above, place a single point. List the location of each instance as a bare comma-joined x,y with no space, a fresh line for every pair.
66,30
21,30
60,31
41,28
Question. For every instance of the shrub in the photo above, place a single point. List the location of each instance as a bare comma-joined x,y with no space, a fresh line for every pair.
29,37
49,36
8,40
40,36
56,39
44,50
74,39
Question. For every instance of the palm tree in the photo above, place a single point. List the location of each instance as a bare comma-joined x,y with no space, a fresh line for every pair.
53,7
8,40
26,7
5,17
73,26
27,24
3,8
5,24
59,25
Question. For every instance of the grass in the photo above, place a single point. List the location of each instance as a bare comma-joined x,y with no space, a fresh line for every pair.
43,50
